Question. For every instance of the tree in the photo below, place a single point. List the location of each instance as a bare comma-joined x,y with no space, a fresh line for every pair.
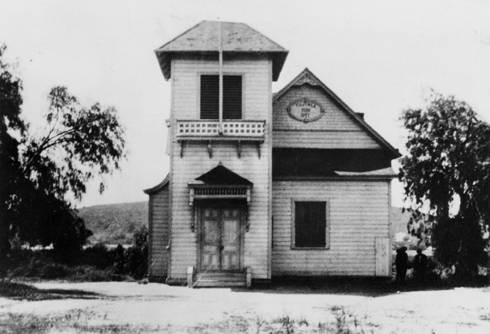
448,161
11,127
78,144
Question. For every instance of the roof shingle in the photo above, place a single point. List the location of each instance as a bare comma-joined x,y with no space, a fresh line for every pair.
236,38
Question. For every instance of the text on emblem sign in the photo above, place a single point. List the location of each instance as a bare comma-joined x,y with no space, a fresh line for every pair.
305,110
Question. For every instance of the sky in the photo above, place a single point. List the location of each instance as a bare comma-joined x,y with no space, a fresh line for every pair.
380,57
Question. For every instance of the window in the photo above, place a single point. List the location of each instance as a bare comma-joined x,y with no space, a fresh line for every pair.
232,96
310,224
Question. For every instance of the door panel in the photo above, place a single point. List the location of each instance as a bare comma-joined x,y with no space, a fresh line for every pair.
231,239
211,240
221,239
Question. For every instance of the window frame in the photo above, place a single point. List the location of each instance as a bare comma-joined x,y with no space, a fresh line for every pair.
198,97
293,222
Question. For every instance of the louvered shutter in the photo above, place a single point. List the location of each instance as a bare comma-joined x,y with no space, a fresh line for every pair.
209,97
232,97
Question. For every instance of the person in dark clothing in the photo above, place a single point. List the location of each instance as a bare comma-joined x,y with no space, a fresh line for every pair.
401,263
419,265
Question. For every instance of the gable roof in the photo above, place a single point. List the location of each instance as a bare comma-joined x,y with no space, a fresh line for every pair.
220,175
306,77
236,38
158,187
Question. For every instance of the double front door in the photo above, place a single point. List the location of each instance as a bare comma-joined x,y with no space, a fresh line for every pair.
221,238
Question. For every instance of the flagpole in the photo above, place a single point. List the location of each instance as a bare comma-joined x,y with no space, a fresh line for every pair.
220,56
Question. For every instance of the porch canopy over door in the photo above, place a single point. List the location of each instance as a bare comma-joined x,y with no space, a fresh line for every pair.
220,183
219,198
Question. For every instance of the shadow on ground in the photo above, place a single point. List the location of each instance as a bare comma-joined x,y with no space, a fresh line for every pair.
371,287
17,290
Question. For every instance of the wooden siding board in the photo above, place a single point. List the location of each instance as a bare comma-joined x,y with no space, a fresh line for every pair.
159,233
358,212
325,139
335,129
255,85
196,161
333,119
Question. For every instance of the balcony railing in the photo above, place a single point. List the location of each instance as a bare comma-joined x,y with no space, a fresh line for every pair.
239,131
243,129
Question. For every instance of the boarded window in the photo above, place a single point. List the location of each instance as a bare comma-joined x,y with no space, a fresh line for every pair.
209,97
232,97
310,224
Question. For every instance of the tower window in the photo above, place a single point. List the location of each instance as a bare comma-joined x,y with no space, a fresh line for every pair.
232,96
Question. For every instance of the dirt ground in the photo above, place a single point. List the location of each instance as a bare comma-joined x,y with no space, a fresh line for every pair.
126,307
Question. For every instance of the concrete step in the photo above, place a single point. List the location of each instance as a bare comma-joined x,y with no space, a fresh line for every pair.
221,275
218,284
216,279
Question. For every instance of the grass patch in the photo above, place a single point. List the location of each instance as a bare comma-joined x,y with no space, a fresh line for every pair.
76,320
17,290
340,322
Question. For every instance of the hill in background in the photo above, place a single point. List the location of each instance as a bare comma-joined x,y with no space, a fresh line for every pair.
116,223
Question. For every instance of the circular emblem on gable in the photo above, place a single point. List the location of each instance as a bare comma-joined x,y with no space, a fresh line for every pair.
305,110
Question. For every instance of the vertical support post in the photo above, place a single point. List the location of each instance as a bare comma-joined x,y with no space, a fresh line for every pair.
248,277
190,276
239,148
193,219
191,196
210,149
182,144
220,56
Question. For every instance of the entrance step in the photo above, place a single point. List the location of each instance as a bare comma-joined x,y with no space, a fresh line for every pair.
220,279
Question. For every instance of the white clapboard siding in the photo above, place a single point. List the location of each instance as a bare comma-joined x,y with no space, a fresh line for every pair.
358,213
324,139
256,86
336,129
196,161
159,233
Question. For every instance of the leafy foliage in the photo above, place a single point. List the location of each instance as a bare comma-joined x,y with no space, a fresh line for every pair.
448,161
11,128
78,143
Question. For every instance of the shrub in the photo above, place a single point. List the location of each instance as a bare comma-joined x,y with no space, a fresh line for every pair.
54,270
94,263
137,260
98,255
137,255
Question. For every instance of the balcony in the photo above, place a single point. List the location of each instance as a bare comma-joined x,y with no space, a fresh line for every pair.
239,132
233,130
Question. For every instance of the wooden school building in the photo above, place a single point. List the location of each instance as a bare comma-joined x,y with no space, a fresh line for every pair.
263,184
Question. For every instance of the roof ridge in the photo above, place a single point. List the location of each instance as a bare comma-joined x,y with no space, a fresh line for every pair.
238,37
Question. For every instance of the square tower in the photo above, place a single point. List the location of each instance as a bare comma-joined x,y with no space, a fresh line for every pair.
220,147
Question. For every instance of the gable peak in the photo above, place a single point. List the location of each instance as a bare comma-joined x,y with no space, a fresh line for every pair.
306,77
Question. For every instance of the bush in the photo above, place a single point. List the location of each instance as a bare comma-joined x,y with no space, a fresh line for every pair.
137,260
98,256
54,270
137,255
94,263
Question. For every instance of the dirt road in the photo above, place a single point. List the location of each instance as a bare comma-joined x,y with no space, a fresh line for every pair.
120,307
